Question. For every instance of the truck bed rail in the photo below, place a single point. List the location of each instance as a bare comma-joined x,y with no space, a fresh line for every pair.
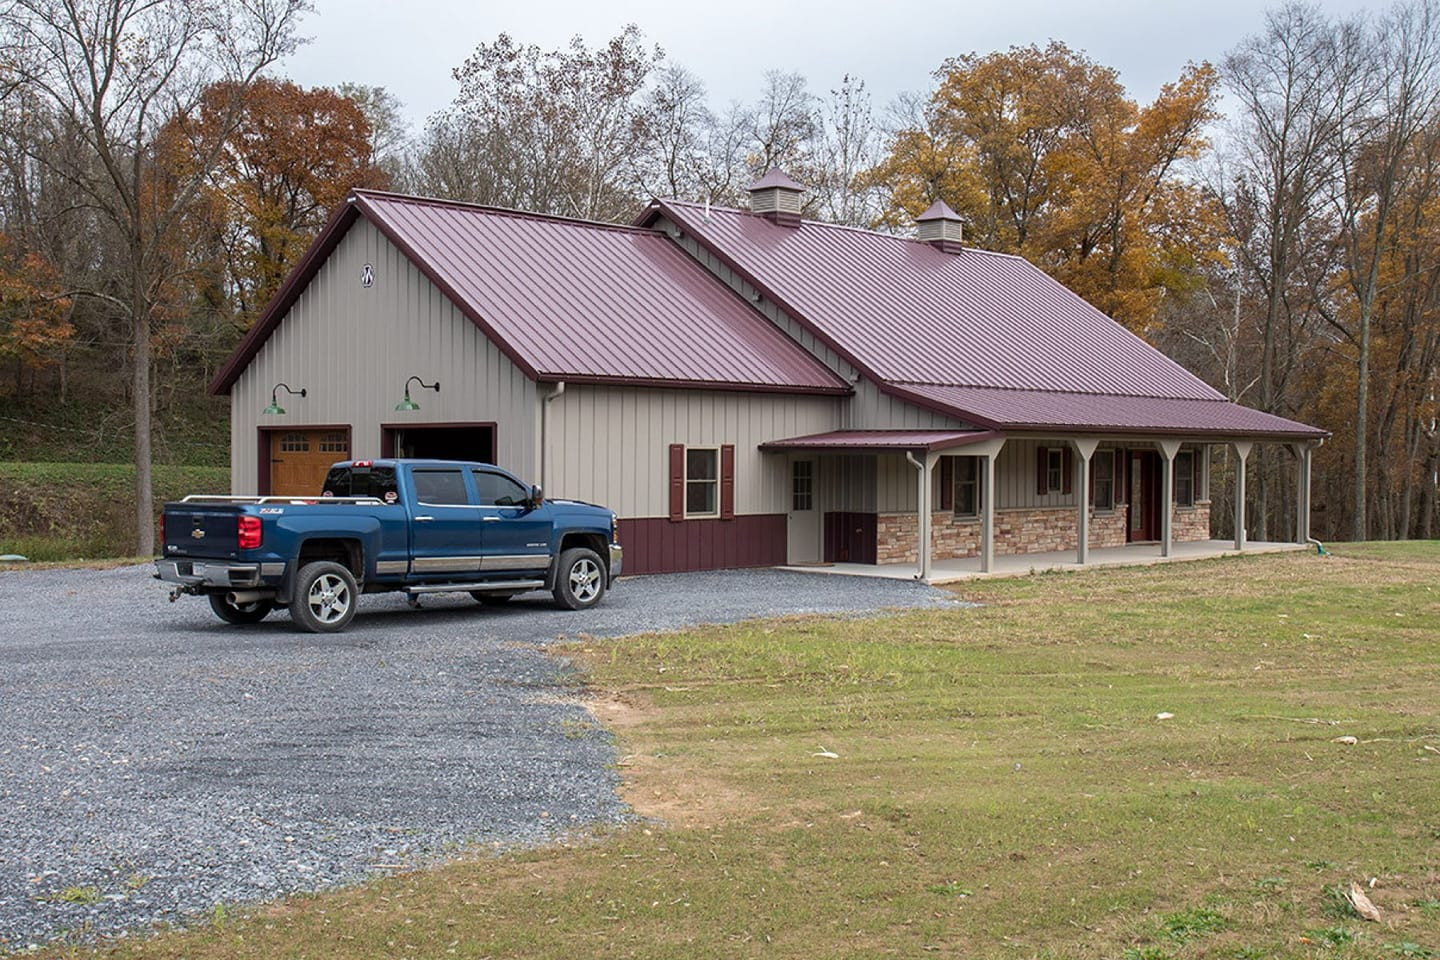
226,498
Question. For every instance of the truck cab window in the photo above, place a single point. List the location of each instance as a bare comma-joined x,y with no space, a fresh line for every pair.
440,487
377,482
497,490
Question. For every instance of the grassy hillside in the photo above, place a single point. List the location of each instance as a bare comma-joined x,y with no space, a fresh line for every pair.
1119,764
73,511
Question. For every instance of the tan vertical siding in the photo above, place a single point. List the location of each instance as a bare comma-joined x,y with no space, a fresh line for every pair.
352,348
610,445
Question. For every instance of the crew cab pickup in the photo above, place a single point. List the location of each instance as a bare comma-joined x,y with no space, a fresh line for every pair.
418,526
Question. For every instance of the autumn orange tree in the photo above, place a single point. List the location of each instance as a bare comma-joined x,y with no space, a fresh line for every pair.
34,314
1044,155
290,157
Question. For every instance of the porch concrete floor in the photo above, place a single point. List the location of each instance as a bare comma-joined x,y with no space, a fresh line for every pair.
1132,554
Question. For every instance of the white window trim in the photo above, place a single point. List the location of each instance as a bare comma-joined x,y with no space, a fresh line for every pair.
718,468
1054,475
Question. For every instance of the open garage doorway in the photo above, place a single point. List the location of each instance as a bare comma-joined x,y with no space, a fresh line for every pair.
439,441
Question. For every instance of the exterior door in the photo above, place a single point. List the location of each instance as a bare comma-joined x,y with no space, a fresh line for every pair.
512,536
803,522
299,460
445,533
1144,496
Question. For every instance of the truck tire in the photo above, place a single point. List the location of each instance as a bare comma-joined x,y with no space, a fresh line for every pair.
324,597
252,612
579,580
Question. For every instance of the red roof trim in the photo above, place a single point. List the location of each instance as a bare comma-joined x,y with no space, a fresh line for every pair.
929,440
320,249
725,385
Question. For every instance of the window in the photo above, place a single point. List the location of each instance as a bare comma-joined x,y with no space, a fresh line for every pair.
1102,487
377,482
802,485
335,441
702,482
498,490
440,487
295,443
967,486
1185,478
1054,469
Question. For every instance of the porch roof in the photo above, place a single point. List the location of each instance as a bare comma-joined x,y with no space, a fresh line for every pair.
877,440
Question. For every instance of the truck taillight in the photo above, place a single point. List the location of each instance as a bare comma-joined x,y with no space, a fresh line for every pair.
248,533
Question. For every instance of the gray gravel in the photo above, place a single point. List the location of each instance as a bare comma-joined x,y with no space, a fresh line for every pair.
156,763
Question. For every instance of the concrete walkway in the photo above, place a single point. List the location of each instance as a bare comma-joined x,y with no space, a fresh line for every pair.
1130,555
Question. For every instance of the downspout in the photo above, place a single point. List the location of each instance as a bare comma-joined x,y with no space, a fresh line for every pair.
1319,547
922,548
545,432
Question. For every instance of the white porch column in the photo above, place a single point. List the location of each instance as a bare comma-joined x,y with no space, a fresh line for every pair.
987,512
1303,452
1085,449
923,471
1242,450
1168,449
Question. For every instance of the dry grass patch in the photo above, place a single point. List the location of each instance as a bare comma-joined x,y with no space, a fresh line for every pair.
991,782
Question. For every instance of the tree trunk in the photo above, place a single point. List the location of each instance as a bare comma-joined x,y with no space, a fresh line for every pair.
144,487
1358,526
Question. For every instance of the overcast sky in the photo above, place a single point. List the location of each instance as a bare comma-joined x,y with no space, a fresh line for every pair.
410,47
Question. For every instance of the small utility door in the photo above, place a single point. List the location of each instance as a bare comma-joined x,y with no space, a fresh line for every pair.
803,520
512,536
445,524
300,458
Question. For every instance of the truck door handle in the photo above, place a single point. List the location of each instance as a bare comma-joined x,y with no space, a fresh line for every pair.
424,519
490,519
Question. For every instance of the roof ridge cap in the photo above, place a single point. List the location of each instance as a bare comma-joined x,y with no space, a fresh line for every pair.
465,205
1051,390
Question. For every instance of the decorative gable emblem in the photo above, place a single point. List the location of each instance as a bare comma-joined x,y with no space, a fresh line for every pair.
367,276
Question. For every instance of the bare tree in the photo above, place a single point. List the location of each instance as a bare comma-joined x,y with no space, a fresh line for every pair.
849,146
783,125
115,71
1278,164
675,124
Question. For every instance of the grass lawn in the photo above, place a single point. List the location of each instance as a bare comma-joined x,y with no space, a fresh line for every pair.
990,782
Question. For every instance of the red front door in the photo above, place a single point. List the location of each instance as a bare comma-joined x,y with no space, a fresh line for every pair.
1144,483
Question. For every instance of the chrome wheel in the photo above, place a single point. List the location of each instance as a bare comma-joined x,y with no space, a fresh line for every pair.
329,599
585,580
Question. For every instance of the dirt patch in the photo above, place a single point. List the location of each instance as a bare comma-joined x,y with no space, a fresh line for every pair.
660,787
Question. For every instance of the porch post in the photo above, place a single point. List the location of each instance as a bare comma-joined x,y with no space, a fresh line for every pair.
1242,451
1302,453
1168,449
1085,448
987,512
923,469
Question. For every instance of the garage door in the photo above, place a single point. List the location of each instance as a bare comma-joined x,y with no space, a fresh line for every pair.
299,459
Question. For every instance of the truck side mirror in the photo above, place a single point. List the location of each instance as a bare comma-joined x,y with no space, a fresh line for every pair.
537,496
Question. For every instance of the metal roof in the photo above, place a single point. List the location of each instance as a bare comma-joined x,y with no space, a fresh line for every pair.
573,300
775,177
903,310
1069,412
873,440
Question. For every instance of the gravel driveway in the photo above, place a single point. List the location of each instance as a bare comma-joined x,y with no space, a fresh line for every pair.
155,762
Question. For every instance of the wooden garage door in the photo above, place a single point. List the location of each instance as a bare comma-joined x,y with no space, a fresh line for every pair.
299,459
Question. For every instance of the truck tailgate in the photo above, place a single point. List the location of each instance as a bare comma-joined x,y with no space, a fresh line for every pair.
201,530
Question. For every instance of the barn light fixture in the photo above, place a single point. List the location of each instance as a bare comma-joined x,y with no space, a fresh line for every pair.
275,406
407,404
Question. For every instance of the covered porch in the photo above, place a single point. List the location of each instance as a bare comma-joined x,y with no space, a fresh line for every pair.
941,505
1022,564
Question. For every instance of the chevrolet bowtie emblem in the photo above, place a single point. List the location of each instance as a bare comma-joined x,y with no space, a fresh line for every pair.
198,534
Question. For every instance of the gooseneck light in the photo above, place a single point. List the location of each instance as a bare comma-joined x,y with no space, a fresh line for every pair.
407,404
275,407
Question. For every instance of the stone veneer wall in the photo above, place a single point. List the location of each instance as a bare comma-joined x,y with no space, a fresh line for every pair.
1191,523
1019,531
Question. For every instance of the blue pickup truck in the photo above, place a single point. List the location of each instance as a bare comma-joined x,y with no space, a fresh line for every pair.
419,526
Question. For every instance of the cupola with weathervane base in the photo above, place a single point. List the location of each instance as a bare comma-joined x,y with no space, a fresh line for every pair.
777,198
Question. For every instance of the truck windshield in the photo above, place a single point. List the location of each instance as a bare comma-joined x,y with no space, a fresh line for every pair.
377,482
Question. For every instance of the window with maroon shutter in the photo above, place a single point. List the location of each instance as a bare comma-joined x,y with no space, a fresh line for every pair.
1185,478
947,483
677,482
1067,471
727,482
1042,471
1052,470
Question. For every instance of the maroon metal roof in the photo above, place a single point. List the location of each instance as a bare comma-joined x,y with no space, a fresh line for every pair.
574,300
1044,410
939,210
905,311
881,440
775,177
